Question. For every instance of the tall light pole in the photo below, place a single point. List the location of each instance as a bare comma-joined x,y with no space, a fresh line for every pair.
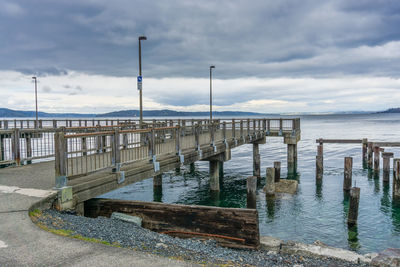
211,67
140,75
34,78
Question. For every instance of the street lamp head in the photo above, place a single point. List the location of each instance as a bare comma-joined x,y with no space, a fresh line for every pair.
212,67
142,38
34,77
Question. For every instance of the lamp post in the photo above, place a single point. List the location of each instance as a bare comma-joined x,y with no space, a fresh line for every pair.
36,122
211,67
140,74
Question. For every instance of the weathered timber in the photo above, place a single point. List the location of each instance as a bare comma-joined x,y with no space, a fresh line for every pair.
370,155
292,158
270,182
396,178
387,144
364,152
256,161
251,185
277,167
353,208
376,158
238,224
386,165
348,170
319,162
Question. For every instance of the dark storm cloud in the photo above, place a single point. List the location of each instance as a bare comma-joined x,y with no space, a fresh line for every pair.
257,38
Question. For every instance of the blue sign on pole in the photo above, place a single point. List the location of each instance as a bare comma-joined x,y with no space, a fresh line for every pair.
139,82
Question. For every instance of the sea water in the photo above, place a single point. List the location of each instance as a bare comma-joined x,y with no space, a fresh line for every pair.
317,211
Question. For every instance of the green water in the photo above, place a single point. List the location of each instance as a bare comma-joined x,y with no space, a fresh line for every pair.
317,211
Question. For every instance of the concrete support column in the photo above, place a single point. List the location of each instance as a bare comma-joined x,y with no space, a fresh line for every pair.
256,160
214,175
292,158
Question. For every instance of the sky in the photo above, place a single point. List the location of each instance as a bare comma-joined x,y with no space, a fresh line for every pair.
270,56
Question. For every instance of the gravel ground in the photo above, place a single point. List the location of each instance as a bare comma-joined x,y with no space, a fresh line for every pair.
131,236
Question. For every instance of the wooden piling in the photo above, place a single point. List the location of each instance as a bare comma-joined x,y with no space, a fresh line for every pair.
364,152
396,178
277,167
319,162
369,155
256,161
348,166
292,158
28,140
251,191
376,158
157,181
353,208
270,182
386,165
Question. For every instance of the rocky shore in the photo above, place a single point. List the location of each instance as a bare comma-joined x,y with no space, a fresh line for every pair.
130,236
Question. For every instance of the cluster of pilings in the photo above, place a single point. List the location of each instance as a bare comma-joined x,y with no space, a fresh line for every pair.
273,175
371,154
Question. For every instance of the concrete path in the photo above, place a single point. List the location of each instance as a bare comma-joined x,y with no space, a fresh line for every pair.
22,243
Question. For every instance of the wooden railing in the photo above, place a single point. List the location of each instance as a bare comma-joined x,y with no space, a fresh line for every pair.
29,145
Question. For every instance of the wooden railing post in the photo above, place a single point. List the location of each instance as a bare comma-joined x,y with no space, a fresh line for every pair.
15,146
248,127
233,129
40,124
241,129
178,140
6,125
60,152
151,140
197,136
28,141
116,152
280,126
212,132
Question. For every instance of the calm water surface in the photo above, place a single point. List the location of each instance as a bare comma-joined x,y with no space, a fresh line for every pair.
317,211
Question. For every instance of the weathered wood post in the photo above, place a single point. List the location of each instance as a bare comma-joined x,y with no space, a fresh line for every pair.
125,141
386,165
233,129
177,134
376,159
277,167
396,178
319,161
364,152
214,175
369,155
192,168
348,171
353,208
256,160
251,192
115,150
157,187
2,146
16,152
270,183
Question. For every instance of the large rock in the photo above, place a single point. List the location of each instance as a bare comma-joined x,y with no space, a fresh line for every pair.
388,258
270,243
286,186
126,218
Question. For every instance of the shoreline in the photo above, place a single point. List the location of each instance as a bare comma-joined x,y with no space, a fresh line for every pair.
273,252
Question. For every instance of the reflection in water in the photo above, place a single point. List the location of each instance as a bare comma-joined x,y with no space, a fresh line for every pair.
353,237
157,193
376,183
385,200
346,204
215,198
396,214
318,189
270,207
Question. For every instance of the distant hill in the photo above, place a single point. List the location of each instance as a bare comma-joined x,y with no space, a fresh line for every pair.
169,113
391,110
9,113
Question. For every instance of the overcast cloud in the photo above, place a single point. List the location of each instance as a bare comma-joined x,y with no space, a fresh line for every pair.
270,56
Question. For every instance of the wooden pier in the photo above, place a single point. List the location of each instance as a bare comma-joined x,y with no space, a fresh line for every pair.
96,156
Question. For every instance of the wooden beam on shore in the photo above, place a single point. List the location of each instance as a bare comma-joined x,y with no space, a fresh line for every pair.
231,227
